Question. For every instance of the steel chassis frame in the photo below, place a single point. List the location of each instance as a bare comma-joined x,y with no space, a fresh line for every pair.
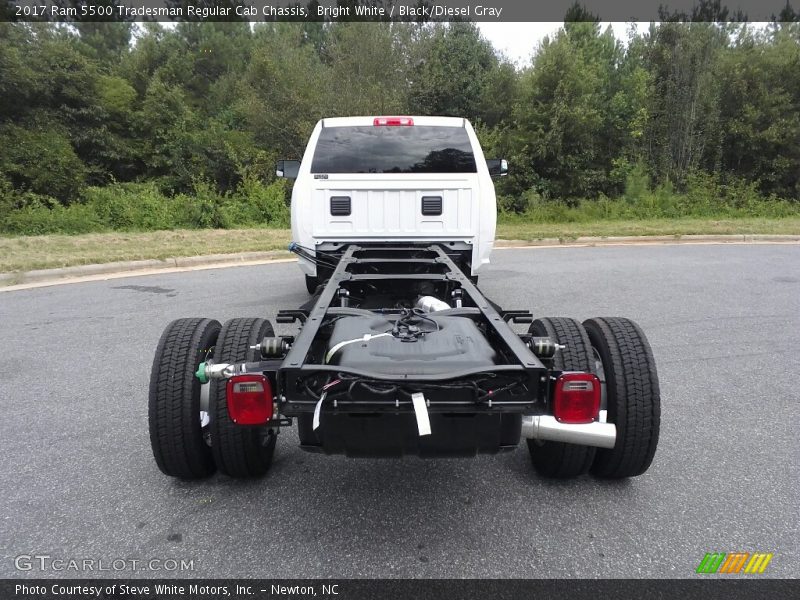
294,369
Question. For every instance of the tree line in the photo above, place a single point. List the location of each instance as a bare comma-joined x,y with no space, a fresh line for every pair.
212,105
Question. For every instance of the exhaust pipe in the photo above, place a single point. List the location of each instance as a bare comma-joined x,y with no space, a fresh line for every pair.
547,428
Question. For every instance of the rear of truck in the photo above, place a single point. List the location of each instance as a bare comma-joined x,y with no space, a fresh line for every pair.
398,351
416,180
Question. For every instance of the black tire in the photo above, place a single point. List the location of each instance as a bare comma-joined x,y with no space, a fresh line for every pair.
176,435
557,459
632,396
238,451
312,283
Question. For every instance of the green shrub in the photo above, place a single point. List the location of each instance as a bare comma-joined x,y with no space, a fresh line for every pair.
27,213
637,184
41,161
203,209
510,205
706,196
703,195
255,203
40,220
136,206
145,207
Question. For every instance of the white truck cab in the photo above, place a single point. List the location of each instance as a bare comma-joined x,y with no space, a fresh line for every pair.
372,180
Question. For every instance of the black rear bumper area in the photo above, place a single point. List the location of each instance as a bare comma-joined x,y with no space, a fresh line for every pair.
393,435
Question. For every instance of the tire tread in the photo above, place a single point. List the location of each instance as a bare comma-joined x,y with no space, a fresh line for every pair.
173,416
633,388
557,459
237,450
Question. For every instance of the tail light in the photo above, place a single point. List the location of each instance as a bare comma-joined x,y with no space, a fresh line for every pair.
393,121
249,399
576,398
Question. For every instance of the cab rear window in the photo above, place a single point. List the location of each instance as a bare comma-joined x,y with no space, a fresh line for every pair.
403,149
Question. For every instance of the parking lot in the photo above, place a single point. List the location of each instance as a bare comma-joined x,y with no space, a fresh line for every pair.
77,479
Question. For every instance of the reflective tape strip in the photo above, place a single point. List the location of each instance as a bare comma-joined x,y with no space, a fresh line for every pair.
318,409
423,422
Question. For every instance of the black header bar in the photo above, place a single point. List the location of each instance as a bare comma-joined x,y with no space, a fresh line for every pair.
705,587
397,10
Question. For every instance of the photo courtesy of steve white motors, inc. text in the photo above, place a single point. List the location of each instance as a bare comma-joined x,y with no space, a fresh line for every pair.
171,589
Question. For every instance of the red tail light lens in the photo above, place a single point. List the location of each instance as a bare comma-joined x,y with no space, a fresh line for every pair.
249,399
393,121
576,398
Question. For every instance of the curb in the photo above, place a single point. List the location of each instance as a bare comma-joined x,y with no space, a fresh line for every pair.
44,275
651,239
65,274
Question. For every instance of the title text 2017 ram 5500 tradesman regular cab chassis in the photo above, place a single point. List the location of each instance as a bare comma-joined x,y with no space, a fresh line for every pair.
398,351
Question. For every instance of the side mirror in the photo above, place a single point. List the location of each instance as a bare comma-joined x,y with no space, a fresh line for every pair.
287,168
498,167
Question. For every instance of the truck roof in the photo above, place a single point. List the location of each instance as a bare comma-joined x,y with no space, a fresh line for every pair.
417,120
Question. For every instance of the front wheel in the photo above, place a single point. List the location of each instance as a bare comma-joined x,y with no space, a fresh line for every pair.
633,400
239,451
312,283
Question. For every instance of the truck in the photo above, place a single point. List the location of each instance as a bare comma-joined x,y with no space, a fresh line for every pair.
397,351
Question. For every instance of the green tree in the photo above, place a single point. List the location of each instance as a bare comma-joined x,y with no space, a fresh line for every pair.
684,122
452,71
367,70
282,92
761,111
20,84
41,161
565,138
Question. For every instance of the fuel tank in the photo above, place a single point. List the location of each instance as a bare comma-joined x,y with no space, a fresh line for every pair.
438,345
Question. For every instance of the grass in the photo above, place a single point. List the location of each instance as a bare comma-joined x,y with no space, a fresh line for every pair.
676,227
26,253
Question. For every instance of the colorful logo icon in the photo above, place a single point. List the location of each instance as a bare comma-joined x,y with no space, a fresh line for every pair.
734,562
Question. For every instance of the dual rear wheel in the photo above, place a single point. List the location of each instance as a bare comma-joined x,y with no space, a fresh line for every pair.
192,435
191,432
617,351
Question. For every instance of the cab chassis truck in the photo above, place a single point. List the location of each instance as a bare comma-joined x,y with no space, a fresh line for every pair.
399,352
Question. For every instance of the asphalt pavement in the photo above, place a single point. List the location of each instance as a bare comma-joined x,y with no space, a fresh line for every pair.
78,481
